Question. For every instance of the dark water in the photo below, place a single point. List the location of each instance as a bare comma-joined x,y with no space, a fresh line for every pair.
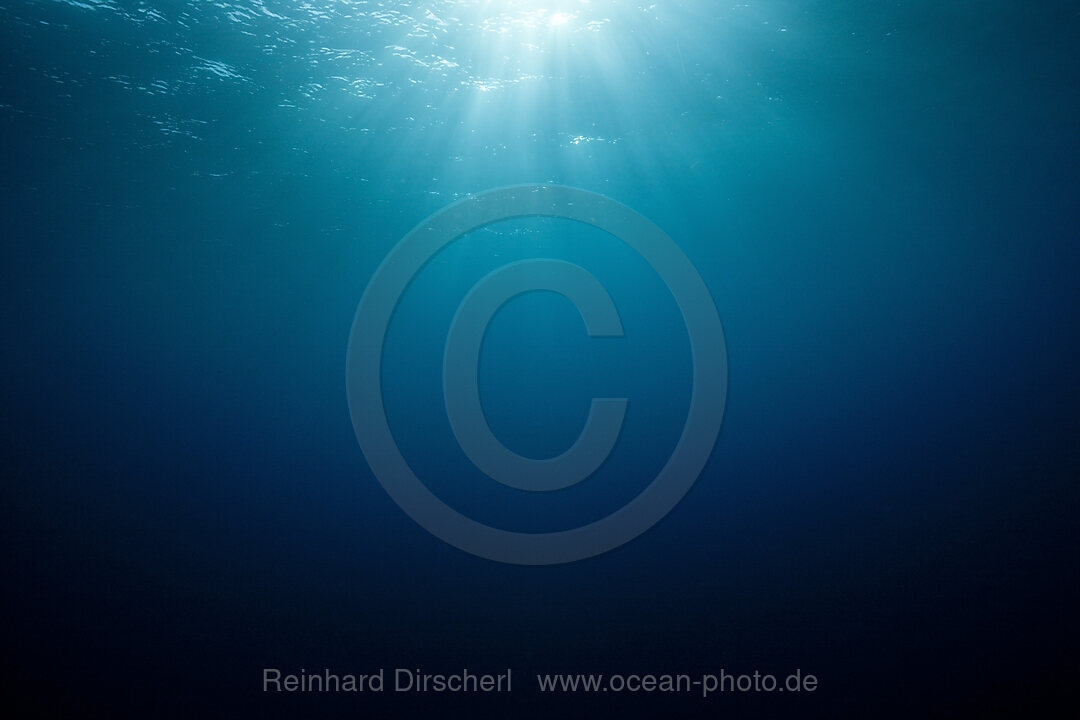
881,198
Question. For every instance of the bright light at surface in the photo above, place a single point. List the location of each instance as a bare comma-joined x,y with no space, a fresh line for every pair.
559,19
551,89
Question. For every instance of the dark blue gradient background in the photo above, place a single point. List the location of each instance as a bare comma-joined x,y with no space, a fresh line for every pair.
885,211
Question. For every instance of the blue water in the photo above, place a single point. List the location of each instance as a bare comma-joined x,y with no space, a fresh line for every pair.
880,197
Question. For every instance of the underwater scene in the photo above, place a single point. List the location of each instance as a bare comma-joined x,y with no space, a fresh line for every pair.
515,358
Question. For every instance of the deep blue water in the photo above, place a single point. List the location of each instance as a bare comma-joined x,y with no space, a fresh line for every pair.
880,196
